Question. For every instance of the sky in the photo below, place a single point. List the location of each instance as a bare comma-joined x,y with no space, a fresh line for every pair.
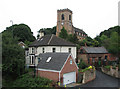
93,16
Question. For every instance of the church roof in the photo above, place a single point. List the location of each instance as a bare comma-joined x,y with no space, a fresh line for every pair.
51,40
78,30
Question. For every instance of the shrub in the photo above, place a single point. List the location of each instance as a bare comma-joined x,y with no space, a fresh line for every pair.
27,80
82,64
107,67
88,68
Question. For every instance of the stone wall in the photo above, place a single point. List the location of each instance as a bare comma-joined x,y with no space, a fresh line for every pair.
86,76
111,71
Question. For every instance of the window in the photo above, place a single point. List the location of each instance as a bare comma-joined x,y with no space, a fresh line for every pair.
69,50
49,58
70,61
106,57
32,50
93,60
31,59
54,50
69,17
38,59
62,16
43,50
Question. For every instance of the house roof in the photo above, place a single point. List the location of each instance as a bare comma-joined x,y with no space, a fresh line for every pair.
95,49
51,40
56,63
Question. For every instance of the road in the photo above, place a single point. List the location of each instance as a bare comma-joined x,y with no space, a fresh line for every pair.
102,81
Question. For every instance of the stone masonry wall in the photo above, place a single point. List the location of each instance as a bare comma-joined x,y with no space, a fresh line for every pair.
111,71
86,76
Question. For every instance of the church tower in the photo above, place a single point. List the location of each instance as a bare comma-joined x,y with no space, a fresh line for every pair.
64,19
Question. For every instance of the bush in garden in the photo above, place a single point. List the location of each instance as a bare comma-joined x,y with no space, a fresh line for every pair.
27,80
82,64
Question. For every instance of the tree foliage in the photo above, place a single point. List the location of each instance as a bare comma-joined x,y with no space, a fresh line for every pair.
88,41
110,40
48,31
22,31
13,58
63,34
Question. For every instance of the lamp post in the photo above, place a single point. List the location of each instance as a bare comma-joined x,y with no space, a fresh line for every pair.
12,27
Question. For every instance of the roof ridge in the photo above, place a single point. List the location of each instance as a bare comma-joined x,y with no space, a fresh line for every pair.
50,39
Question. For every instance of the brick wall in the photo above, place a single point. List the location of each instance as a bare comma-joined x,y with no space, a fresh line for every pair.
50,75
69,68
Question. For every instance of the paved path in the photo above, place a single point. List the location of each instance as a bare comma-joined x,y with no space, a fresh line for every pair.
102,80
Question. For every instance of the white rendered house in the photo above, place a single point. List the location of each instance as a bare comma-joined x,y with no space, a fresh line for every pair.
46,44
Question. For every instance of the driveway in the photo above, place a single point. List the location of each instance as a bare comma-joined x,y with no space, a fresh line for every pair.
102,80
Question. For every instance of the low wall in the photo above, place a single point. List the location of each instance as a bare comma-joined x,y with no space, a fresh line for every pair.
86,76
111,71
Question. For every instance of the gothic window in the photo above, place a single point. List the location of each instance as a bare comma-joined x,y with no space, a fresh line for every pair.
62,16
69,17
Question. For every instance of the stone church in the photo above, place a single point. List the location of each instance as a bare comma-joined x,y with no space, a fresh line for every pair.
64,19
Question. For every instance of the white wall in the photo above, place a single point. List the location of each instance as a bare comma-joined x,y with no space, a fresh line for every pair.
61,49
58,49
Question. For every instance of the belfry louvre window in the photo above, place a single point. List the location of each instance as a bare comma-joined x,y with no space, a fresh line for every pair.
69,17
62,16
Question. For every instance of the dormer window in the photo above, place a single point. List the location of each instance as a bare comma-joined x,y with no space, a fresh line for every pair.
62,16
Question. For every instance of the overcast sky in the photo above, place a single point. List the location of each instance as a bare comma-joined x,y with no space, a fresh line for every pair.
93,16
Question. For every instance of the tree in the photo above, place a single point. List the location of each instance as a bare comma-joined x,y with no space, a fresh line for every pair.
22,32
114,43
12,55
63,34
48,31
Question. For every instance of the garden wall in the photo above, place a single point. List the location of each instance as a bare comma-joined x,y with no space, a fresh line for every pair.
112,72
86,76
